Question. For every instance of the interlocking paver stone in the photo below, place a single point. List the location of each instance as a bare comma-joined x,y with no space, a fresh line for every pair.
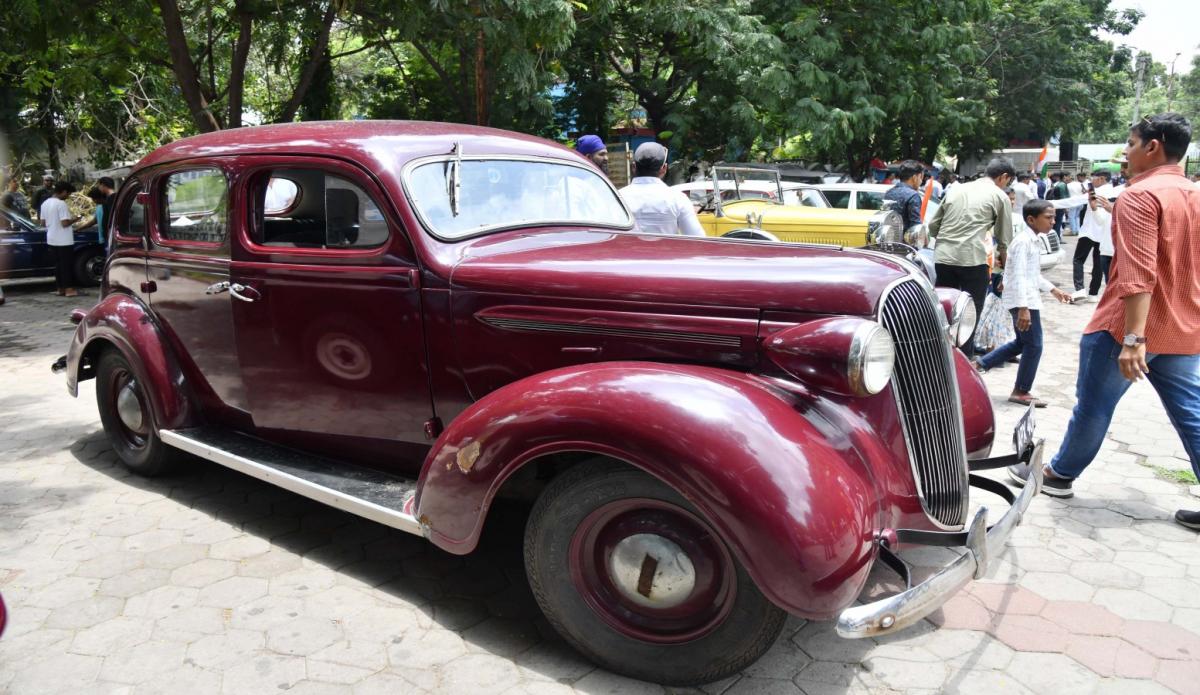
211,582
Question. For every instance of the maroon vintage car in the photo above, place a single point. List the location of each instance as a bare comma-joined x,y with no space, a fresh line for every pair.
405,320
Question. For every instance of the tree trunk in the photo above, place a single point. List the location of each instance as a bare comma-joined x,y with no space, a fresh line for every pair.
288,111
237,68
185,70
48,128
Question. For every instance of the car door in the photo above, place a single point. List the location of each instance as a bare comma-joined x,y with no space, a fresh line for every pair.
328,315
188,263
23,248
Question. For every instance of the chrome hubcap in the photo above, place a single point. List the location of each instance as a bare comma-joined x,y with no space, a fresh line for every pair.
129,408
652,571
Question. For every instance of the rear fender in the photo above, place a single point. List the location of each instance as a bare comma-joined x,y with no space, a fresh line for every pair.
796,509
123,322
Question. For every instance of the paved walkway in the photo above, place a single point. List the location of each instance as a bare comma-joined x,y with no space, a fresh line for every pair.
212,582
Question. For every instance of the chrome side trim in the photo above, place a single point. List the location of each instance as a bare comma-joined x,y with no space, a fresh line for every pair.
898,612
729,341
401,520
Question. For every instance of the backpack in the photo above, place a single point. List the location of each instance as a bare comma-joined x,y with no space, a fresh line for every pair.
1052,192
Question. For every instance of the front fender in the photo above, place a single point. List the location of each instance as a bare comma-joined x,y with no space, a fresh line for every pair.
797,511
125,323
979,422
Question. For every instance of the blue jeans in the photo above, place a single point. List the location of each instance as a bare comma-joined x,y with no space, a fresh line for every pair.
1100,386
1028,344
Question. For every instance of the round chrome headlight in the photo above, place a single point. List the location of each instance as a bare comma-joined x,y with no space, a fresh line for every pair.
872,357
962,324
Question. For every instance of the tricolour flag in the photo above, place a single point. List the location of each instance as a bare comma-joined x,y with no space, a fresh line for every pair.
1041,160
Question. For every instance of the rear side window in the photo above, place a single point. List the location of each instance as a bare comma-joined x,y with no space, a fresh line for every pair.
838,199
196,206
309,208
868,200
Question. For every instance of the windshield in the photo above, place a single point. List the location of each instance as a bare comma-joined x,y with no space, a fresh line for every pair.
496,193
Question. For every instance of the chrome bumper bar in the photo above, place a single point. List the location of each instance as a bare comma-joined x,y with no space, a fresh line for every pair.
898,612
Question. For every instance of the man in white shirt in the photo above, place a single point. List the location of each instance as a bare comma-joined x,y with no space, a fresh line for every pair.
1095,236
1025,191
59,235
1023,288
656,207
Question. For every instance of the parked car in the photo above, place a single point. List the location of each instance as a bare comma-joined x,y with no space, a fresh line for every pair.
751,216
712,433
700,192
24,252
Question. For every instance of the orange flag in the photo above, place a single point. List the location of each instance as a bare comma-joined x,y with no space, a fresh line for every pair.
925,198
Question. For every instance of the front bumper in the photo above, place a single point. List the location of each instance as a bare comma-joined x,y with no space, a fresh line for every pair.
981,544
1049,260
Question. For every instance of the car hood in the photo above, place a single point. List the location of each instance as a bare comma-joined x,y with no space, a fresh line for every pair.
673,270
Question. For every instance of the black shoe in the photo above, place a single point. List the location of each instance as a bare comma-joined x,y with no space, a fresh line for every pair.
1189,519
1014,360
1055,487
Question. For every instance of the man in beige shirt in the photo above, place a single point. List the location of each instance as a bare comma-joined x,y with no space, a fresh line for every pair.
968,212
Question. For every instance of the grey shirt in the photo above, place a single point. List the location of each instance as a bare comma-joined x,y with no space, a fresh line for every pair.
967,214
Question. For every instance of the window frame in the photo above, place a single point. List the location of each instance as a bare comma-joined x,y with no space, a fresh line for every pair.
162,223
127,198
250,218
406,176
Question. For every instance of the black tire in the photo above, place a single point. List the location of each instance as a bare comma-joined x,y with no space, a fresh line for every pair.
139,448
89,267
555,538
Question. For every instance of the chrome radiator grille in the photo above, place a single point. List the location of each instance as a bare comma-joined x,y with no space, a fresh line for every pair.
1053,239
927,396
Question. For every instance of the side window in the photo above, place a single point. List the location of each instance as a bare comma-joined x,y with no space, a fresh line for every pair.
132,220
868,200
196,206
309,208
838,199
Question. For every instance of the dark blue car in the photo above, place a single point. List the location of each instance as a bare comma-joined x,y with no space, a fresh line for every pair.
24,252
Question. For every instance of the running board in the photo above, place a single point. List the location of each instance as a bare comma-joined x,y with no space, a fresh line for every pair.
387,499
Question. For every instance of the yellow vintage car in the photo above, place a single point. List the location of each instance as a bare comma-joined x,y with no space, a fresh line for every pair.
756,204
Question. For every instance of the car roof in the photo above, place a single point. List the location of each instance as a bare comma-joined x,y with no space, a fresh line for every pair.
853,186
381,143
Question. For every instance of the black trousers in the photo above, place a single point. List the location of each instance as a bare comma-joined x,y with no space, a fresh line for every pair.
62,265
971,279
1083,248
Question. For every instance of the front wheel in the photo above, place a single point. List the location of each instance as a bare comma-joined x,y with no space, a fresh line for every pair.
128,419
632,576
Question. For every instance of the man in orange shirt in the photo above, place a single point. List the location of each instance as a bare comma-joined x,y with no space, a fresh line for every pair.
1148,322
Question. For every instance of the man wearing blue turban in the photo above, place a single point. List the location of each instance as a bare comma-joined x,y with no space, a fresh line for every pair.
592,147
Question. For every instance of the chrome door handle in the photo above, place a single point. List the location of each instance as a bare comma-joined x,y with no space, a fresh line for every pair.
236,289
217,288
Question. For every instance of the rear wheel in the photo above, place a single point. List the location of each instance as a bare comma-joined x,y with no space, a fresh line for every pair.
632,576
128,419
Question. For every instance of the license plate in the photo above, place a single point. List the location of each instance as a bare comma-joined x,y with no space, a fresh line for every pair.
1023,432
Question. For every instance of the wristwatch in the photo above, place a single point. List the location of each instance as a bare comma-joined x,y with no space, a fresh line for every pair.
1133,340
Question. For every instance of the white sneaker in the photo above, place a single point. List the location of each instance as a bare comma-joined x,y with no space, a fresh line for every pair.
1079,296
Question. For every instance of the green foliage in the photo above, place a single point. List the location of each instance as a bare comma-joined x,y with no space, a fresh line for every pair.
818,80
